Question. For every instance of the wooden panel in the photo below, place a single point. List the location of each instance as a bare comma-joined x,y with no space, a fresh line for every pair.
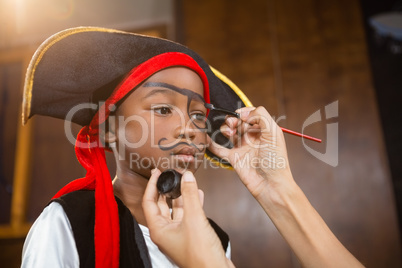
54,163
296,57
15,145
355,198
10,74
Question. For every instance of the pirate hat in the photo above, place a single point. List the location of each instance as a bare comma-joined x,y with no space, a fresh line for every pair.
86,65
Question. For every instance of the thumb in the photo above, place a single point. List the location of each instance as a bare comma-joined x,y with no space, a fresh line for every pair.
191,197
217,149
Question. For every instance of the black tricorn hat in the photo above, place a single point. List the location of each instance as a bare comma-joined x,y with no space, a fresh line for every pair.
85,64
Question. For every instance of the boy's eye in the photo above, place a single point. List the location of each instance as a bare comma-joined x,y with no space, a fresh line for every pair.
198,116
199,119
162,110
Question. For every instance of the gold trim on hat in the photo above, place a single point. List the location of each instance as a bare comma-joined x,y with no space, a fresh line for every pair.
217,163
235,88
241,95
37,57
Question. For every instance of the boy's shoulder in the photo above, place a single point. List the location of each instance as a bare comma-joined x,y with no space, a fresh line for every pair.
83,195
79,207
80,204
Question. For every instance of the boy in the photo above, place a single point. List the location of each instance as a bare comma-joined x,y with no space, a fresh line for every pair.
151,94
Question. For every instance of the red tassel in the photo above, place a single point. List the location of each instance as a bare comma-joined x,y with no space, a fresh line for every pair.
107,228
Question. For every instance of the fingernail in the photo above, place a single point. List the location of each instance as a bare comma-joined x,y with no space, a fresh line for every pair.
230,121
230,131
187,176
244,113
153,171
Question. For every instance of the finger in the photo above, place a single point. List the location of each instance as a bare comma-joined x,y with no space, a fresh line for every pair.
232,122
270,132
227,130
259,116
177,206
230,134
151,191
191,199
151,195
236,136
234,127
246,127
217,149
201,196
254,121
163,206
244,112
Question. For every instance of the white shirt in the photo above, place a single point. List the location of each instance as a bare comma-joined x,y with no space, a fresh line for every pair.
42,247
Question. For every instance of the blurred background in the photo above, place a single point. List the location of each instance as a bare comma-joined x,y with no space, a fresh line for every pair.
293,57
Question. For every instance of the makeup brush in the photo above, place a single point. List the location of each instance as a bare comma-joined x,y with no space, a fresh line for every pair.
237,115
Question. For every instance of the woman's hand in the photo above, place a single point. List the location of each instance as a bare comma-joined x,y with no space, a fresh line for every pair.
259,155
260,159
186,235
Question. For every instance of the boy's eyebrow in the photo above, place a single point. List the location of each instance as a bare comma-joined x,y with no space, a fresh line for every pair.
157,91
182,91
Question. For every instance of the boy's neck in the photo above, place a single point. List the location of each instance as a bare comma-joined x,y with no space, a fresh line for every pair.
130,188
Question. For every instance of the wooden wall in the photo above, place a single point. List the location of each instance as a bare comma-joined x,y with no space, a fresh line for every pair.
296,57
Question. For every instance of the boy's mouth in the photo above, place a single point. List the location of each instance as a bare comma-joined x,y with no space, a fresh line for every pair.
177,145
186,150
185,154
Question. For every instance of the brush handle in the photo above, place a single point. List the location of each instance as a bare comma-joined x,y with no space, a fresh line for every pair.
230,113
300,135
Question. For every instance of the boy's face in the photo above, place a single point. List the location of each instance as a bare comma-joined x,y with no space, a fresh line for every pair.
160,124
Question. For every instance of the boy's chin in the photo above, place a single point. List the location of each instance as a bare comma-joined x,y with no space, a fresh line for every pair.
182,169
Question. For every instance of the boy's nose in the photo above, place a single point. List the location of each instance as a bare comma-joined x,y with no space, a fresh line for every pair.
186,132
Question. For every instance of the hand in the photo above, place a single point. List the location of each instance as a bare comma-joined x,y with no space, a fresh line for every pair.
185,236
259,155
260,159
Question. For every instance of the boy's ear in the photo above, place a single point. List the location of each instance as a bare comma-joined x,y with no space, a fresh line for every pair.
109,135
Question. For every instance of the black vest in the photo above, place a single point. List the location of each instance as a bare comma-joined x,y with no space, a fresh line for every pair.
79,207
